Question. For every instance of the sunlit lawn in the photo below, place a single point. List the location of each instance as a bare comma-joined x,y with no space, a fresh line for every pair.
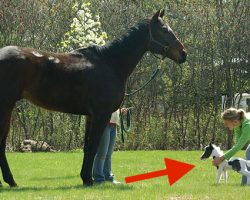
52,176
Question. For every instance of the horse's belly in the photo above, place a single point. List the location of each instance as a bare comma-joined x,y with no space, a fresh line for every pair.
57,101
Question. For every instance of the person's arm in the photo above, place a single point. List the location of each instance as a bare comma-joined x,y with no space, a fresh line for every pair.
240,142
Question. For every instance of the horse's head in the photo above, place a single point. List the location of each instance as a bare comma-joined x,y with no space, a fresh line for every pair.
163,40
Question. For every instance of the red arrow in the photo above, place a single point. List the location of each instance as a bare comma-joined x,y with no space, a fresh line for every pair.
174,169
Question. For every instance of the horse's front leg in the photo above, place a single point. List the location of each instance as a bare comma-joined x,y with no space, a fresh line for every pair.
94,133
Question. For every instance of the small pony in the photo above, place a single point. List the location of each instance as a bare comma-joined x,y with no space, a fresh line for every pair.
237,164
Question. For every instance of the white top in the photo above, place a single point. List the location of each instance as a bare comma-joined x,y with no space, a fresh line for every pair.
248,115
115,117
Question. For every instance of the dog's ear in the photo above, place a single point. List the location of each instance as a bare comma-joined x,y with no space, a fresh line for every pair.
211,145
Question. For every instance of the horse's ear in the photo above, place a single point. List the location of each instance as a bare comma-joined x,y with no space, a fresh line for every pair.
210,144
156,15
162,13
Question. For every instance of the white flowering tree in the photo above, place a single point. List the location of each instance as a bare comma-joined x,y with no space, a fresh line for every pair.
85,29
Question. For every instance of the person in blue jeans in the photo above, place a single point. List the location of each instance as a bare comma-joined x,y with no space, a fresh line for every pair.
102,170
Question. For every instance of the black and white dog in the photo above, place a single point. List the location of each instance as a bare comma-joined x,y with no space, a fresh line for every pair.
237,164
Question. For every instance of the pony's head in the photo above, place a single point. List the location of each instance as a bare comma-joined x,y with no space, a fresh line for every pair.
163,41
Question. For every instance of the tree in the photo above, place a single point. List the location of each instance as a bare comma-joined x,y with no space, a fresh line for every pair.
181,107
85,29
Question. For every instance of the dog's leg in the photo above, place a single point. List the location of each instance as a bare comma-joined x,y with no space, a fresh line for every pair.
225,176
219,173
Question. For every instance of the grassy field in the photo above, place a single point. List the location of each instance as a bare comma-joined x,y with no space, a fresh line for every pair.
54,176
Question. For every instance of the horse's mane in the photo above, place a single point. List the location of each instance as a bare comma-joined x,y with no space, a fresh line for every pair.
89,52
133,33
118,44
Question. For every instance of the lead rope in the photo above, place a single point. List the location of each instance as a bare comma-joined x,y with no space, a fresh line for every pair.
128,117
128,123
147,82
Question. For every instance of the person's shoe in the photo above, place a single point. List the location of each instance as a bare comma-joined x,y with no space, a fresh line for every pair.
116,182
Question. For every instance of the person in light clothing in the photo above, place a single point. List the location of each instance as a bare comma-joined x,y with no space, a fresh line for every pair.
238,121
102,170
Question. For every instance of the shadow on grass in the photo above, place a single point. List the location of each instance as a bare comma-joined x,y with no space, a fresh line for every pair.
104,186
53,178
228,185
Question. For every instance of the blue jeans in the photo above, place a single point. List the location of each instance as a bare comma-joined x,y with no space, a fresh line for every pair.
102,164
244,178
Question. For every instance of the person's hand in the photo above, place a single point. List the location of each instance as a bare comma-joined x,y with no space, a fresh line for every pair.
124,111
218,160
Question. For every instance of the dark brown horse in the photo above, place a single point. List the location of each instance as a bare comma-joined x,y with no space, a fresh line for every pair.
88,81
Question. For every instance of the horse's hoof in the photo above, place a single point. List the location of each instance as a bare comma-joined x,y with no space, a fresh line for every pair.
13,185
88,182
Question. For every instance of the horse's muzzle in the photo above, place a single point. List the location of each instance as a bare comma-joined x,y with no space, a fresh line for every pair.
183,57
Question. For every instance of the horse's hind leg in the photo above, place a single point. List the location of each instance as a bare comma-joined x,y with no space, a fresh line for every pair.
95,131
5,116
87,130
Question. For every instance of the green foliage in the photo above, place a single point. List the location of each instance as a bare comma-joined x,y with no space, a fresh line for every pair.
180,109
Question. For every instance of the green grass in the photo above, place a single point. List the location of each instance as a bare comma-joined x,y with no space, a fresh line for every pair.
55,176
